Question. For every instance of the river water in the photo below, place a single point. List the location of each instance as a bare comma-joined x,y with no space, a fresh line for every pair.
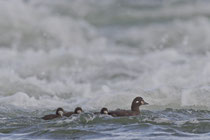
94,54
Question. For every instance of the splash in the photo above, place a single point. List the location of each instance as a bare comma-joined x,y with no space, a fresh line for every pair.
81,54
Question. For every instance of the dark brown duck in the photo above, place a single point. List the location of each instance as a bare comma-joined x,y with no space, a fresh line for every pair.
137,102
59,113
77,110
104,110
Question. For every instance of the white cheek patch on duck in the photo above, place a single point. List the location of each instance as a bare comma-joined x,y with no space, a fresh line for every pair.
60,113
105,112
137,102
142,102
79,111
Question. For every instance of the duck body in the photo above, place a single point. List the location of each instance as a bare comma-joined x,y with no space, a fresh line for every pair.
136,103
77,110
59,113
50,117
121,113
68,114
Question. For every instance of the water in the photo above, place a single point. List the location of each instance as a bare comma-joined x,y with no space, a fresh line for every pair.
165,124
96,54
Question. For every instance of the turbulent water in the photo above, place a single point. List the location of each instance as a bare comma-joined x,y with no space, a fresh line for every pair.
94,54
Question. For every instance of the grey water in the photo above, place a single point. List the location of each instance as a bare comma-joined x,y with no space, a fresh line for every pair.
94,54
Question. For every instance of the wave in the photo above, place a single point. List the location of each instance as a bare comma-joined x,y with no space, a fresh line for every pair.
53,54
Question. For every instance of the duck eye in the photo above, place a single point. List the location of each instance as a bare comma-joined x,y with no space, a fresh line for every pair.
137,102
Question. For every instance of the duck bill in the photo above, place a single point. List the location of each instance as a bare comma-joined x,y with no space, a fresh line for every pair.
145,103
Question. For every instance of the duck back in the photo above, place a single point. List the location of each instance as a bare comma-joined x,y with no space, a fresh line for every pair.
68,114
119,113
50,117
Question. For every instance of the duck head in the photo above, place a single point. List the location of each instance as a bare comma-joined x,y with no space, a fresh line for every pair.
78,110
104,110
60,111
137,102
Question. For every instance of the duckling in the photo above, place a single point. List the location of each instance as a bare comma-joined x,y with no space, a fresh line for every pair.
104,110
59,113
77,110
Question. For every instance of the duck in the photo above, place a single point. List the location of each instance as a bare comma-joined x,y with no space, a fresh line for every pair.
59,113
104,111
77,110
136,103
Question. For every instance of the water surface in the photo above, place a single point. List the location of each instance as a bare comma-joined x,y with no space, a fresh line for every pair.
96,54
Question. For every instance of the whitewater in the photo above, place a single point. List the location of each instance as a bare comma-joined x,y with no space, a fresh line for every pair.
96,54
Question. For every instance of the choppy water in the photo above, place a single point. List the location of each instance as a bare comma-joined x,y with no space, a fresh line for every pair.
90,53
165,124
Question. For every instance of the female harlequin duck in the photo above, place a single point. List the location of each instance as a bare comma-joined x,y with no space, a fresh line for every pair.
137,102
103,111
77,110
59,113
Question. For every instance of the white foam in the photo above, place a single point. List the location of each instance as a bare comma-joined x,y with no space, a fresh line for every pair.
51,56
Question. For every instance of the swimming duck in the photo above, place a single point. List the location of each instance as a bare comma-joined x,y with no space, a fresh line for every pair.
137,102
77,110
104,110
59,113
